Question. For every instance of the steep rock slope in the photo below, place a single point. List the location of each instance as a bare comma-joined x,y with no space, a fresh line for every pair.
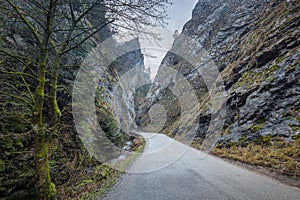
132,76
213,25
114,100
255,45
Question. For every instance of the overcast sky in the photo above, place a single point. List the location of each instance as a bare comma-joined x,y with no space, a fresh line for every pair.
179,13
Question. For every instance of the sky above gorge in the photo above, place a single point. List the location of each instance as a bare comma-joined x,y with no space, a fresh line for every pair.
179,13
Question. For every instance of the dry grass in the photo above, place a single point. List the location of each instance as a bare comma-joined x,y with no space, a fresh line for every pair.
283,157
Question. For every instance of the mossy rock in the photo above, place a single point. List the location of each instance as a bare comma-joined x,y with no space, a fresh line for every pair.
257,125
102,171
2,167
296,137
295,127
279,59
84,183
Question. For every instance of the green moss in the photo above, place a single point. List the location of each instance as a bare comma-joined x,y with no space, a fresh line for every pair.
9,148
108,122
100,192
272,79
295,127
296,137
2,166
42,150
52,190
19,144
241,142
246,77
109,78
30,172
256,128
265,140
227,144
140,148
102,89
269,138
47,188
261,121
56,108
53,163
279,60
267,72
257,125
102,171
84,182
272,69
113,175
40,91
253,78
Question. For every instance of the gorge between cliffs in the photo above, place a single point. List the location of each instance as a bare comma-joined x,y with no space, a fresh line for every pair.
82,117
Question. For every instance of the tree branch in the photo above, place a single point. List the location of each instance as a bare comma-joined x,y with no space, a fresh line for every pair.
27,86
87,37
16,97
28,24
18,73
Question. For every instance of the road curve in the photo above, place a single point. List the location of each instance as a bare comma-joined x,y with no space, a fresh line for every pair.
170,170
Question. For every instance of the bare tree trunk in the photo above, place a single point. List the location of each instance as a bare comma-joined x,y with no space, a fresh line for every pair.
46,189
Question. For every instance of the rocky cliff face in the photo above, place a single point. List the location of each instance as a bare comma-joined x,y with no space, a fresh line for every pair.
120,82
255,46
132,75
113,74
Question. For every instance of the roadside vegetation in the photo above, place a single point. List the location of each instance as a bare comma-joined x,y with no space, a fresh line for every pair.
271,152
100,190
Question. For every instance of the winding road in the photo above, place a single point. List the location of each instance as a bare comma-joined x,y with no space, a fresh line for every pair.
170,170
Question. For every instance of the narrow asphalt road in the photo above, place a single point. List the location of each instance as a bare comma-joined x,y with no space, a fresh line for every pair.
170,170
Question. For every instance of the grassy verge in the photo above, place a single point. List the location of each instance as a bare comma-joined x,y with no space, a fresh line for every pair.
138,147
270,152
97,193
